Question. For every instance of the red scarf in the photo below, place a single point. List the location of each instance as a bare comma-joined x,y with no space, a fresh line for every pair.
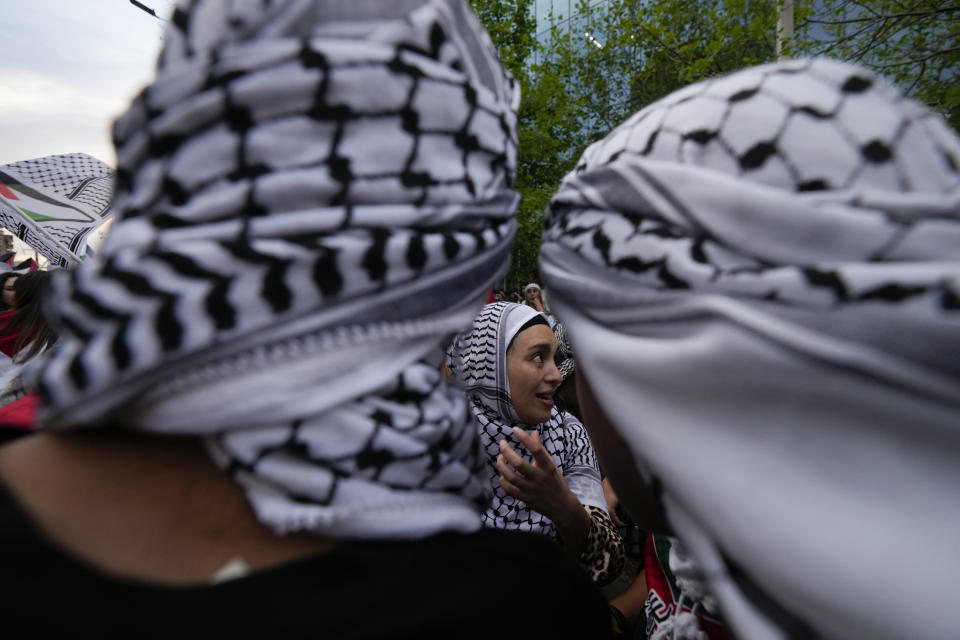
8,343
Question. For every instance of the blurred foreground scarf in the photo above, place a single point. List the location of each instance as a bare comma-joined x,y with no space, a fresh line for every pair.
313,197
761,277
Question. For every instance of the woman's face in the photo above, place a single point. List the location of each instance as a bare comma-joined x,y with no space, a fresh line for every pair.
532,373
9,292
532,294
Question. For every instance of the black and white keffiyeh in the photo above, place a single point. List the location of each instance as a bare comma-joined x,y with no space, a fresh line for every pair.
478,360
312,197
564,357
761,276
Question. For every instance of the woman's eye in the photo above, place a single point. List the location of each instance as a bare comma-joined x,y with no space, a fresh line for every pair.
538,358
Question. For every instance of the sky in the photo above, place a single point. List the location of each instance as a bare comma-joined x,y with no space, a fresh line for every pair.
67,69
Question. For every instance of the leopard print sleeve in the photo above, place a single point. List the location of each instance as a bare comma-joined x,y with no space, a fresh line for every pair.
603,557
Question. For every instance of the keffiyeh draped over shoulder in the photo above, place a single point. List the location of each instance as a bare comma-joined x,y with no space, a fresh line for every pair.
477,358
312,197
761,276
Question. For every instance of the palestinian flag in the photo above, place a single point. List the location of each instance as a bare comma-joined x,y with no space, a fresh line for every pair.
10,259
53,203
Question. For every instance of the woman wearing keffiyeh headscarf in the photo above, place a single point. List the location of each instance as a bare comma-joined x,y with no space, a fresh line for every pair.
760,275
541,465
312,197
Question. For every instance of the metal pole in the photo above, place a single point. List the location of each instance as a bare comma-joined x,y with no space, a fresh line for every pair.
785,30
145,8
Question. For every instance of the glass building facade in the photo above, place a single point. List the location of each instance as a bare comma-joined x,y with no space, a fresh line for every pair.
561,12
566,15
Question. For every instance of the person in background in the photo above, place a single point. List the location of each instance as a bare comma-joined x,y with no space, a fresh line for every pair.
27,333
766,317
8,291
24,334
533,298
245,430
541,465
8,297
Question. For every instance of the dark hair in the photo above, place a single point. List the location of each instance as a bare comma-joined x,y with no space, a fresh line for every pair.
3,282
566,396
28,323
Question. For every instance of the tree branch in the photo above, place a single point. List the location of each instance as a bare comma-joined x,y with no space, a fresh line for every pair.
843,39
941,52
673,52
870,44
867,7
892,16
923,69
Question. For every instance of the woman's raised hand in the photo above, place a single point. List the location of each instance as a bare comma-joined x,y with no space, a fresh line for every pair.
543,488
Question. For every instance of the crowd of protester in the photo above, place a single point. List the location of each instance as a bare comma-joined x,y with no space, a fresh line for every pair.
500,295
276,402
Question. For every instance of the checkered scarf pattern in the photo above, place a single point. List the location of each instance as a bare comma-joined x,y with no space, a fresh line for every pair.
564,357
312,197
53,203
761,276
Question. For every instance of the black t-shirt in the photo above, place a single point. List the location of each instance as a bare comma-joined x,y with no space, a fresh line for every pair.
491,584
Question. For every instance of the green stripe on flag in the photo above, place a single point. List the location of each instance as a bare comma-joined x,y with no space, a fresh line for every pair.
38,217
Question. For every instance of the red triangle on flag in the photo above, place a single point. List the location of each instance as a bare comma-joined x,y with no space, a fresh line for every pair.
6,193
